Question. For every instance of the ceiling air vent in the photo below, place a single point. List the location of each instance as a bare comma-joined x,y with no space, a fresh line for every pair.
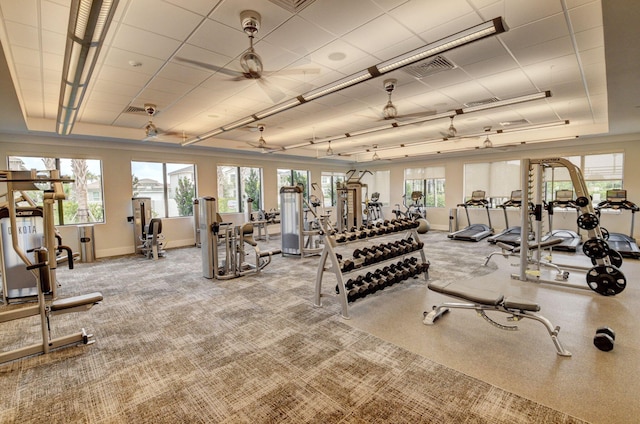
429,67
482,102
135,109
293,6
515,123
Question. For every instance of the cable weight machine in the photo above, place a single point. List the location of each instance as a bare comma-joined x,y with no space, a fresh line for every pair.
604,278
233,262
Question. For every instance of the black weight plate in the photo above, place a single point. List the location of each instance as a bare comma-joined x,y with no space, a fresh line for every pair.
605,233
614,256
606,280
588,221
595,248
582,201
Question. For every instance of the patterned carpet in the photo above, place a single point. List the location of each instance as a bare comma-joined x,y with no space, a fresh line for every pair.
174,347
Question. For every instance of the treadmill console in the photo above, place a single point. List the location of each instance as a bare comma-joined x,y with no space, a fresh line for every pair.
616,196
564,199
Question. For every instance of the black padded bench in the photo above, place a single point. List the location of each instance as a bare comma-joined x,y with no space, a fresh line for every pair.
482,300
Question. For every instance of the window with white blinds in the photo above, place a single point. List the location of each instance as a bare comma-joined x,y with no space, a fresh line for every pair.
497,179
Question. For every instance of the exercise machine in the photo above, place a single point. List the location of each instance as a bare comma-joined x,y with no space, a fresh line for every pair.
413,211
483,301
41,262
473,232
624,244
604,277
152,240
374,209
298,238
224,250
141,207
349,211
510,235
570,239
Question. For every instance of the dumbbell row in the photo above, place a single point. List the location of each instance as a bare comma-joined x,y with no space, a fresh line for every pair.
380,252
372,282
381,228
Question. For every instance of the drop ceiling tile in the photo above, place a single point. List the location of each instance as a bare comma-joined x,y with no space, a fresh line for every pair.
419,16
544,51
115,88
118,74
353,13
119,58
161,17
465,92
136,40
26,56
23,35
298,35
378,34
55,17
508,84
53,42
220,38
201,7
24,12
190,75
586,17
546,30
590,39
53,62
522,12
487,67
480,51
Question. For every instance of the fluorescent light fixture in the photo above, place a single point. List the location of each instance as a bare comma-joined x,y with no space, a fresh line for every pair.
477,32
239,123
278,108
89,22
201,137
338,85
508,102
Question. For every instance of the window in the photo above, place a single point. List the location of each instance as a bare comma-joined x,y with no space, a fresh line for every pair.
601,173
84,197
236,184
292,177
328,182
429,181
497,179
378,182
171,187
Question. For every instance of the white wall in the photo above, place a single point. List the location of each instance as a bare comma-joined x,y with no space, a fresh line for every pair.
115,237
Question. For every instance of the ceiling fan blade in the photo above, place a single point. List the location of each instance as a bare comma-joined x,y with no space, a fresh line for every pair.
210,67
416,115
275,94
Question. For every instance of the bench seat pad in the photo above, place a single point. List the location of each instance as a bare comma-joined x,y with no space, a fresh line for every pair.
522,304
472,294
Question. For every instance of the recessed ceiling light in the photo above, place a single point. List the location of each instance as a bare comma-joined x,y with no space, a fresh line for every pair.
337,56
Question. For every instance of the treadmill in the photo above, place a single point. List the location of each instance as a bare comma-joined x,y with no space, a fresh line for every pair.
510,235
570,239
474,232
625,245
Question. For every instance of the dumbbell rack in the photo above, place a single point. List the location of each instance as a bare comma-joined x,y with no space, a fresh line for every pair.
329,263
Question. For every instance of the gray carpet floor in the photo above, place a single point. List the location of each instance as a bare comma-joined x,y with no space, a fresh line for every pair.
174,347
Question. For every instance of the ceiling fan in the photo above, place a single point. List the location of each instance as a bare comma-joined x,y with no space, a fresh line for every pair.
250,60
262,143
389,111
452,131
151,131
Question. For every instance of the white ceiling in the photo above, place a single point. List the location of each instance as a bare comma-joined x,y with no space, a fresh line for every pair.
544,49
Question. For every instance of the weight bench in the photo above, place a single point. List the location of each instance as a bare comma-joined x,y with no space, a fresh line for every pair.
482,300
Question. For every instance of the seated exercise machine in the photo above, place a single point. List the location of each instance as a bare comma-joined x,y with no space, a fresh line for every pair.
261,219
152,240
510,235
233,261
473,232
300,237
42,265
624,244
483,301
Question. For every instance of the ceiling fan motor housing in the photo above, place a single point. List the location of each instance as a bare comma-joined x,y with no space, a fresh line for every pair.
250,21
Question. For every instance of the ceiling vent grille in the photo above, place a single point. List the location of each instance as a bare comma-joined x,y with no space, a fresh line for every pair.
515,123
482,102
293,6
135,109
433,66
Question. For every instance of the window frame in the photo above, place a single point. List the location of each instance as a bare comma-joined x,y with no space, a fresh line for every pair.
167,193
